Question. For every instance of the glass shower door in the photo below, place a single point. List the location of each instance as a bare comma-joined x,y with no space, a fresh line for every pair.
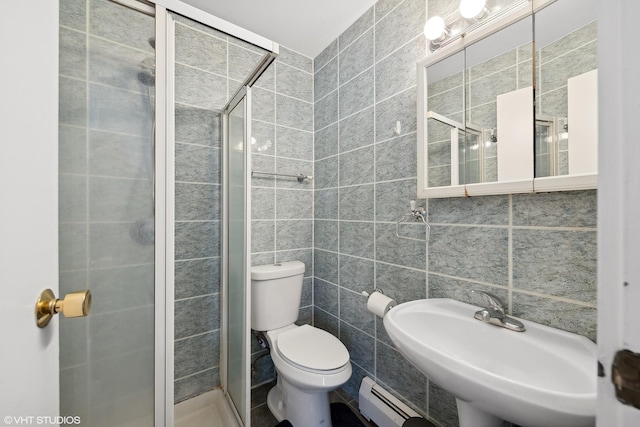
236,165
106,212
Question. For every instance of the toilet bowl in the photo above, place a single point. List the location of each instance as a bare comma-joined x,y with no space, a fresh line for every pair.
310,362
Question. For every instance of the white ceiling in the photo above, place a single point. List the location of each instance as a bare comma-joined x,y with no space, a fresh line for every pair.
305,26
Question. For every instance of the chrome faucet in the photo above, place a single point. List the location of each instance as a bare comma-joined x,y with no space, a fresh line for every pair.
495,314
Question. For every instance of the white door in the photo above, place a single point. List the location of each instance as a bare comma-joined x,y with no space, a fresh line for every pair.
618,200
28,208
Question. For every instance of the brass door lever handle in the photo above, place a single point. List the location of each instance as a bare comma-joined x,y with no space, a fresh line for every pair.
76,304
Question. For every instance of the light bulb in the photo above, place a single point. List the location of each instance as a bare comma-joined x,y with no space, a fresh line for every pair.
470,9
435,28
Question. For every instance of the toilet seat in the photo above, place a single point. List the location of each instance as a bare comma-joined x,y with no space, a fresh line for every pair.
312,349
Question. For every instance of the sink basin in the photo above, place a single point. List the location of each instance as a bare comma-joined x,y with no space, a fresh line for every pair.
538,378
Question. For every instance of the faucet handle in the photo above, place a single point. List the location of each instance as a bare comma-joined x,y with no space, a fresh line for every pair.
494,301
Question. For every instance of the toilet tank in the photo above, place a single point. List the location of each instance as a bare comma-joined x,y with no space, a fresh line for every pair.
276,290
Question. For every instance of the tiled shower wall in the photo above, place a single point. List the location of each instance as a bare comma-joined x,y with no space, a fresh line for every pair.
210,67
537,252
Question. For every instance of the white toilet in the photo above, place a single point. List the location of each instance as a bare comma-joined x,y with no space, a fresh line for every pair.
310,362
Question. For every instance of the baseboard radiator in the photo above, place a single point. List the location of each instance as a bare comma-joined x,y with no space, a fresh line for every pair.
378,405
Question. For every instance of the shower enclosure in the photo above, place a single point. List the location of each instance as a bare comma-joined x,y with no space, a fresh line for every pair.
148,184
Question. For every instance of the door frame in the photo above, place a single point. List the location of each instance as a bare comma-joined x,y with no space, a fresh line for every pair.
618,199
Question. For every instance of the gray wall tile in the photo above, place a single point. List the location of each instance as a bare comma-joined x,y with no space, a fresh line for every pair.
401,284
106,201
399,375
192,315
562,209
353,311
326,80
574,318
326,204
197,277
356,58
197,239
326,142
199,88
202,51
266,231
356,274
196,384
361,346
393,250
325,296
111,245
356,29
303,255
351,198
72,100
356,167
73,14
294,234
294,82
326,111
356,131
115,110
390,154
294,204
472,252
197,125
326,173
392,199
325,266
400,108
559,263
197,164
471,210
120,24
325,321
294,143
356,238
290,57
357,94
72,146
263,202
72,198
294,113
326,235
399,26
196,354
73,53
325,56
442,406
397,72
197,202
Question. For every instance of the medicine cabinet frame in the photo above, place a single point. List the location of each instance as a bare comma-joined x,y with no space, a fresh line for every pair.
458,44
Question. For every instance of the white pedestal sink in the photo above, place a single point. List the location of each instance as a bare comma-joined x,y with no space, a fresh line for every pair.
538,378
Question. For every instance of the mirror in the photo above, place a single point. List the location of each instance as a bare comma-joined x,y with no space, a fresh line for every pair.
499,106
566,130
486,128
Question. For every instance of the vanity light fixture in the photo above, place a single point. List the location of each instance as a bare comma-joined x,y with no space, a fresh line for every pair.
473,9
470,12
436,31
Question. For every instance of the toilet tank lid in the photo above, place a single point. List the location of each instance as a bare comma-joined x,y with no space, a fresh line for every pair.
278,270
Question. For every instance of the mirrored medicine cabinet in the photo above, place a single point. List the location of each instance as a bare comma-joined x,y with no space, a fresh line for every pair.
510,105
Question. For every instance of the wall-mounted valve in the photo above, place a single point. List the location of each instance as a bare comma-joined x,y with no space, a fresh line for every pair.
76,304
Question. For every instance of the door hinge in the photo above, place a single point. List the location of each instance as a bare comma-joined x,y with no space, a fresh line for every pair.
626,377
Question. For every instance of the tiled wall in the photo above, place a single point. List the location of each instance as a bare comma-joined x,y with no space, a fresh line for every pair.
210,67
281,207
106,196
537,252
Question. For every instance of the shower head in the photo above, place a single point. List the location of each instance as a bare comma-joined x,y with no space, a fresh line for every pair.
147,74
147,78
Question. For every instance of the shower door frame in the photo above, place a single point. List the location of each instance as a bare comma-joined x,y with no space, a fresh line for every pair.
165,185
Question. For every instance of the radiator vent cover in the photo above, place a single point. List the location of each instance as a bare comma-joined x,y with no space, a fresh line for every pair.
378,405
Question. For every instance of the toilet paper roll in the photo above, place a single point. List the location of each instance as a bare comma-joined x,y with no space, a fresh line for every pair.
379,304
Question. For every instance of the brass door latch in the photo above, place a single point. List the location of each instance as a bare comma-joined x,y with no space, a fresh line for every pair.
626,377
76,304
